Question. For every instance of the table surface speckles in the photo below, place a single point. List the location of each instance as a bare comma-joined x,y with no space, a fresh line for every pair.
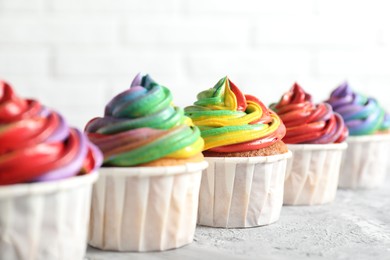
355,226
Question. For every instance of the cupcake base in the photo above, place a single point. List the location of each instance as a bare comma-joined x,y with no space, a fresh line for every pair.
242,192
47,220
365,162
145,208
312,173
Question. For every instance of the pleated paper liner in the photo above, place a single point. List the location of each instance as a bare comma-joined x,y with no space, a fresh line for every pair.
312,173
242,191
145,208
365,162
46,220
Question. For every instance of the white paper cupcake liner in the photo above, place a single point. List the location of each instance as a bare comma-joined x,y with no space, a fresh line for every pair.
365,162
145,208
239,192
312,173
47,220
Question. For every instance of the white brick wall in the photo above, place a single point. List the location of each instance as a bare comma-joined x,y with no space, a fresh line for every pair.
58,29
22,5
75,55
313,30
186,32
17,61
124,7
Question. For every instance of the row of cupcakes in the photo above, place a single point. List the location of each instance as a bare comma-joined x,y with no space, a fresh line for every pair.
151,192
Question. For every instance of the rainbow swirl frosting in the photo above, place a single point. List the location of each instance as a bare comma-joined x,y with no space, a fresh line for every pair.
306,122
36,144
230,121
140,125
362,115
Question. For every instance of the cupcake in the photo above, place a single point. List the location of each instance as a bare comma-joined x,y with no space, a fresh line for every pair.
146,198
365,161
243,185
315,135
46,174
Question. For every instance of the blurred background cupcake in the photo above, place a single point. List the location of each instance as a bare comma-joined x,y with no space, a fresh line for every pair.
243,185
146,198
46,175
315,135
365,162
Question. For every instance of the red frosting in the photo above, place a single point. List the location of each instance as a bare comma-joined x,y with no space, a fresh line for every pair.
36,144
307,122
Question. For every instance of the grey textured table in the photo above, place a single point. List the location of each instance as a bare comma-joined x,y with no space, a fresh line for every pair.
356,226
